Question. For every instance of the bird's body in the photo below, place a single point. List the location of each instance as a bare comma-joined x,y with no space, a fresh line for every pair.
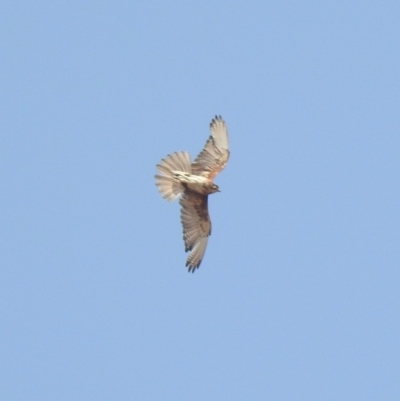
178,176
196,183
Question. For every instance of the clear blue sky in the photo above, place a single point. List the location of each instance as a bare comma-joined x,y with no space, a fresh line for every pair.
298,296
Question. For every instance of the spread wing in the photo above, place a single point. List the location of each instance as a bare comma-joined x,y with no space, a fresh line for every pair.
213,158
196,227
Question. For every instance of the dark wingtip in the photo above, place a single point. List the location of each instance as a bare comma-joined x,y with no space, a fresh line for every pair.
215,119
192,268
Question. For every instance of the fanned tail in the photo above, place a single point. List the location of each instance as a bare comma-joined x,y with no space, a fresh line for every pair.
168,185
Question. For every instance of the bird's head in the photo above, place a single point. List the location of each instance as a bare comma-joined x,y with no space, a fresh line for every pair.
214,188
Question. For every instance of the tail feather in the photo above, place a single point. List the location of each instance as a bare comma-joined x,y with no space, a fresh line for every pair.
169,187
184,162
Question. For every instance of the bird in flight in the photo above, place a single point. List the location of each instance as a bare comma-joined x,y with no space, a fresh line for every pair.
178,176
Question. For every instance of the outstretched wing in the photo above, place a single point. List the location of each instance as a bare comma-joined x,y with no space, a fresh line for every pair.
213,158
196,227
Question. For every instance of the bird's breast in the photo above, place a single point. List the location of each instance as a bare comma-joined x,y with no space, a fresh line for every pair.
199,184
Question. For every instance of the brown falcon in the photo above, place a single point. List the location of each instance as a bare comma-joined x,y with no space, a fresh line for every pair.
194,181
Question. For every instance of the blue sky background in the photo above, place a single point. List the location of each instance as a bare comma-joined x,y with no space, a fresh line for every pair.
297,297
